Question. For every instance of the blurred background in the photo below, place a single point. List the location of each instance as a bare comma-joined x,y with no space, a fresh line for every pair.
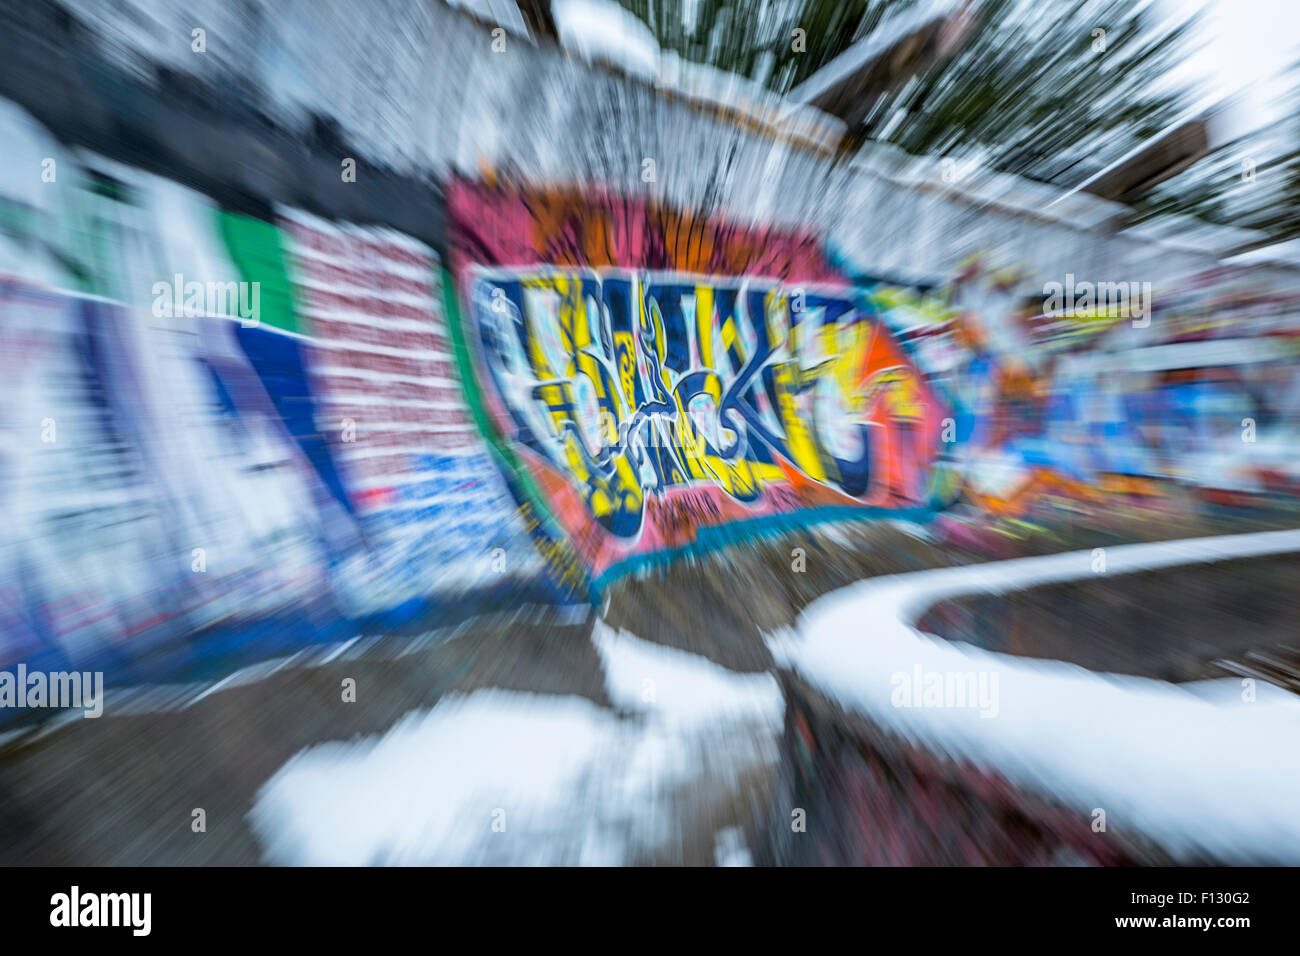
558,432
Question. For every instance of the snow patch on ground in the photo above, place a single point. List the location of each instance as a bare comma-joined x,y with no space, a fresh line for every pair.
572,782
426,791
730,850
682,689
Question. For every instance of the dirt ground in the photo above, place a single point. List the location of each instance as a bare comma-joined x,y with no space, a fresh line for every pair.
120,790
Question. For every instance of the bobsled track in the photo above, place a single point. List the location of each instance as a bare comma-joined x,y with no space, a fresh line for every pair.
766,702
429,490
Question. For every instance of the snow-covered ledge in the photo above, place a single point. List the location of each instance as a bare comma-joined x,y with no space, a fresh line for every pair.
1211,767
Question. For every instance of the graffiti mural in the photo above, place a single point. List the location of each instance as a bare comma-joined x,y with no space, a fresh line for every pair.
651,404
193,489
431,507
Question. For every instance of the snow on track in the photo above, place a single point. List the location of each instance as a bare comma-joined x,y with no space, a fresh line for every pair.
1193,766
